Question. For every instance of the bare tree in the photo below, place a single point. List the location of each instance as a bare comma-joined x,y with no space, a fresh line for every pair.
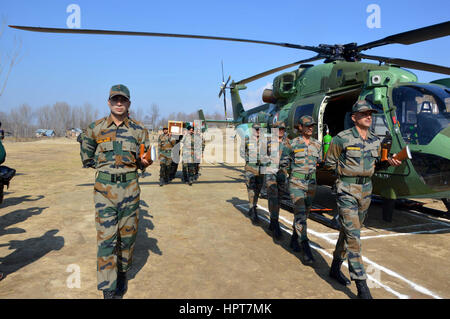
154,114
7,60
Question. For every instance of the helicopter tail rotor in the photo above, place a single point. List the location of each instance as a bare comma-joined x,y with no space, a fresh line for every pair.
223,87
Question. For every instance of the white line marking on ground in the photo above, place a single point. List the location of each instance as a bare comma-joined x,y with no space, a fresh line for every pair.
425,217
405,234
323,251
413,285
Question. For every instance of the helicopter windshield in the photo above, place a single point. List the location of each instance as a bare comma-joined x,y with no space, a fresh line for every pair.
422,111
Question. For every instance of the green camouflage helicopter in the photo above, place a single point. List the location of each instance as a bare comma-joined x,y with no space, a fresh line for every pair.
410,113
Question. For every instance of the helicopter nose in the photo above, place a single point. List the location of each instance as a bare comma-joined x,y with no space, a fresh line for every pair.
432,161
434,170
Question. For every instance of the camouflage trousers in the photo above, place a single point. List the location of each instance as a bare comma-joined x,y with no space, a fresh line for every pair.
353,201
165,171
254,184
188,171
275,185
302,194
173,169
116,220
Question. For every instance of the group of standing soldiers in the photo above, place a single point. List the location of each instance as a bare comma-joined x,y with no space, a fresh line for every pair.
291,163
192,146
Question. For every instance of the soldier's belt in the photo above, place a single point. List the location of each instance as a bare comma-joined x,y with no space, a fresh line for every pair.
123,177
304,176
355,179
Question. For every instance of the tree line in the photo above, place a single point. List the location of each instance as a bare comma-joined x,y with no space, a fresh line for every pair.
60,117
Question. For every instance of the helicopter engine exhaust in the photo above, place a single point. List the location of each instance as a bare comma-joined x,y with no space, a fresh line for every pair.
268,97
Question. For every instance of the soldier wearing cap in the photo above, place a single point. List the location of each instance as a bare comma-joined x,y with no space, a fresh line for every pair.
111,145
353,154
303,154
251,151
165,145
199,140
190,154
275,175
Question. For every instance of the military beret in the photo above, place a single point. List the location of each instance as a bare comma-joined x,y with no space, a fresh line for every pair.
306,120
362,106
119,89
279,124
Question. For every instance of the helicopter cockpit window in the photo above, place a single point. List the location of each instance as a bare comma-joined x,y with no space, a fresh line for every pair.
379,125
422,111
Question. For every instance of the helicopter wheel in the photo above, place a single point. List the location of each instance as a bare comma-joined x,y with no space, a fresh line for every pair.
388,209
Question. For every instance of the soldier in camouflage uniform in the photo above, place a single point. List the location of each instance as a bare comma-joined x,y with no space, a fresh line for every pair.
111,146
353,154
303,154
175,158
275,176
251,151
191,154
198,136
165,145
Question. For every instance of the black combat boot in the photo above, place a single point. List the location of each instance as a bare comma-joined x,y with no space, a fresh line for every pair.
307,253
275,228
336,273
190,179
294,242
161,182
272,224
109,294
254,216
122,284
363,290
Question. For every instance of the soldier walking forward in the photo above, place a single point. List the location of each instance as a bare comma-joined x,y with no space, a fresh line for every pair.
190,154
353,154
111,146
304,153
165,145
250,150
275,175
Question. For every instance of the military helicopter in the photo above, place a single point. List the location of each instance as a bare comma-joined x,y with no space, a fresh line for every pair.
410,113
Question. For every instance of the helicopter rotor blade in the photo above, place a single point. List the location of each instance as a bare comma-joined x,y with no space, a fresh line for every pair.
155,34
409,37
223,80
271,71
224,86
409,64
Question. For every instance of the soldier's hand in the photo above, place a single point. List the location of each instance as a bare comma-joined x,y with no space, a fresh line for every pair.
146,163
394,162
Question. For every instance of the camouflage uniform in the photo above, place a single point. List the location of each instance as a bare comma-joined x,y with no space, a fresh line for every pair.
251,151
303,160
2,153
198,137
165,145
191,154
353,159
176,158
275,176
2,159
113,151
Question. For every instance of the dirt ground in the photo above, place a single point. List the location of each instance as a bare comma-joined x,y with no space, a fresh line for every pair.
195,241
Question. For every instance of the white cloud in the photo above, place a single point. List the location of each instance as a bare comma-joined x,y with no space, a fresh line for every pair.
253,98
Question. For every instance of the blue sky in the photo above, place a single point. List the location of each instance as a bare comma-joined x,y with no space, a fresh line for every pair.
185,74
